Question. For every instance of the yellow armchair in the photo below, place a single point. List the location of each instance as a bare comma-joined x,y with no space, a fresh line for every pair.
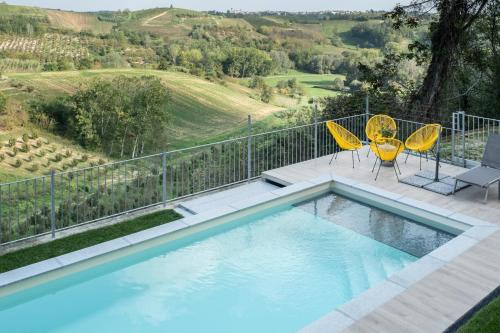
423,140
387,150
345,140
379,127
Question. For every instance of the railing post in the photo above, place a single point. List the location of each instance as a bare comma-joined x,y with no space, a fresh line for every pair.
164,179
438,156
462,113
249,149
315,130
453,129
52,203
367,112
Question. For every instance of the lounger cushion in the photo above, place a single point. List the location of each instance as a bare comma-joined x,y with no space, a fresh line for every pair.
480,176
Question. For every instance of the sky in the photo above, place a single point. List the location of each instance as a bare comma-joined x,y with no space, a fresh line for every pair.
252,5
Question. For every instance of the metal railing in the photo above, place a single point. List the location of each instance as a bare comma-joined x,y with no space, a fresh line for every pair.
61,200
473,132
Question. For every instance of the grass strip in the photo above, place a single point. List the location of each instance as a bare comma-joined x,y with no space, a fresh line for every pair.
486,320
82,240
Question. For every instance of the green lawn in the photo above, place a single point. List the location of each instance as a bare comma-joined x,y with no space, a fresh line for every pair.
314,84
486,320
76,242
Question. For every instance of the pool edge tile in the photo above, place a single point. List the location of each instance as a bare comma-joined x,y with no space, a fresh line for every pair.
416,271
292,189
453,248
253,201
473,221
425,206
344,180
93,251
209,215
333,322
29,271
481,232
161,230
377,191
371,299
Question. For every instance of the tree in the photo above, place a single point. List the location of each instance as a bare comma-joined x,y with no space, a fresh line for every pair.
246,62
126,115
266,93
455,18
3,102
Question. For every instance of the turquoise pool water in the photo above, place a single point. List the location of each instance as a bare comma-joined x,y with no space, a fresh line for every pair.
272,272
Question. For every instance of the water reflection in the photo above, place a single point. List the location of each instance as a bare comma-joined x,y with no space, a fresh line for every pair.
398,232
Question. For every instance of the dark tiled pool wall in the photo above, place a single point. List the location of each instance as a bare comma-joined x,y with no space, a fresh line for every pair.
403,234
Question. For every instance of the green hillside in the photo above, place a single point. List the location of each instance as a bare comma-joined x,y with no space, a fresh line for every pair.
200,108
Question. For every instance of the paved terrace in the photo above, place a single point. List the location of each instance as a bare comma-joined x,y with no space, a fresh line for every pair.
438,300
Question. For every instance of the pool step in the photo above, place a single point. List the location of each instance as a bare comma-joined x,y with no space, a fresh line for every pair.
225,197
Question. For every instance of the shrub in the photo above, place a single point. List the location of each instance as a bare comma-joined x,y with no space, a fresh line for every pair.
34,135
29,158
266,93
13,152
2,157
46,164
34,167
256,82
11,142
68,153
25,137
74,162
3,103
24,148
101,161
84,158
57,157
41,153
17,163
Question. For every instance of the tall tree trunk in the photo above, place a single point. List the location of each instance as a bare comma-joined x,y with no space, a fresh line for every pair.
123,142
444,45
135,146
455,17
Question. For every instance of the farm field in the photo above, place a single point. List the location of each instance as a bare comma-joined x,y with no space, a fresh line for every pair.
201,109
78,21
26,153
178,23
315,85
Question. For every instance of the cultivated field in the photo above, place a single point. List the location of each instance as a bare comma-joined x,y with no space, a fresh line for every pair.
47,45
28,153
178,23
77,21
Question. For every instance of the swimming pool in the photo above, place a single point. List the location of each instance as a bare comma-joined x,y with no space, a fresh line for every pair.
273,271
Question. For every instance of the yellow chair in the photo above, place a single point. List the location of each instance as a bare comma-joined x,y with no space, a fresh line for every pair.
422,140
345,140
387,150
380,126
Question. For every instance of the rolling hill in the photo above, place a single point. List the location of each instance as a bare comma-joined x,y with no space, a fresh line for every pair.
200,109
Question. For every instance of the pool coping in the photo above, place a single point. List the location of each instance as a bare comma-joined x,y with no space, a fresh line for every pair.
474,230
